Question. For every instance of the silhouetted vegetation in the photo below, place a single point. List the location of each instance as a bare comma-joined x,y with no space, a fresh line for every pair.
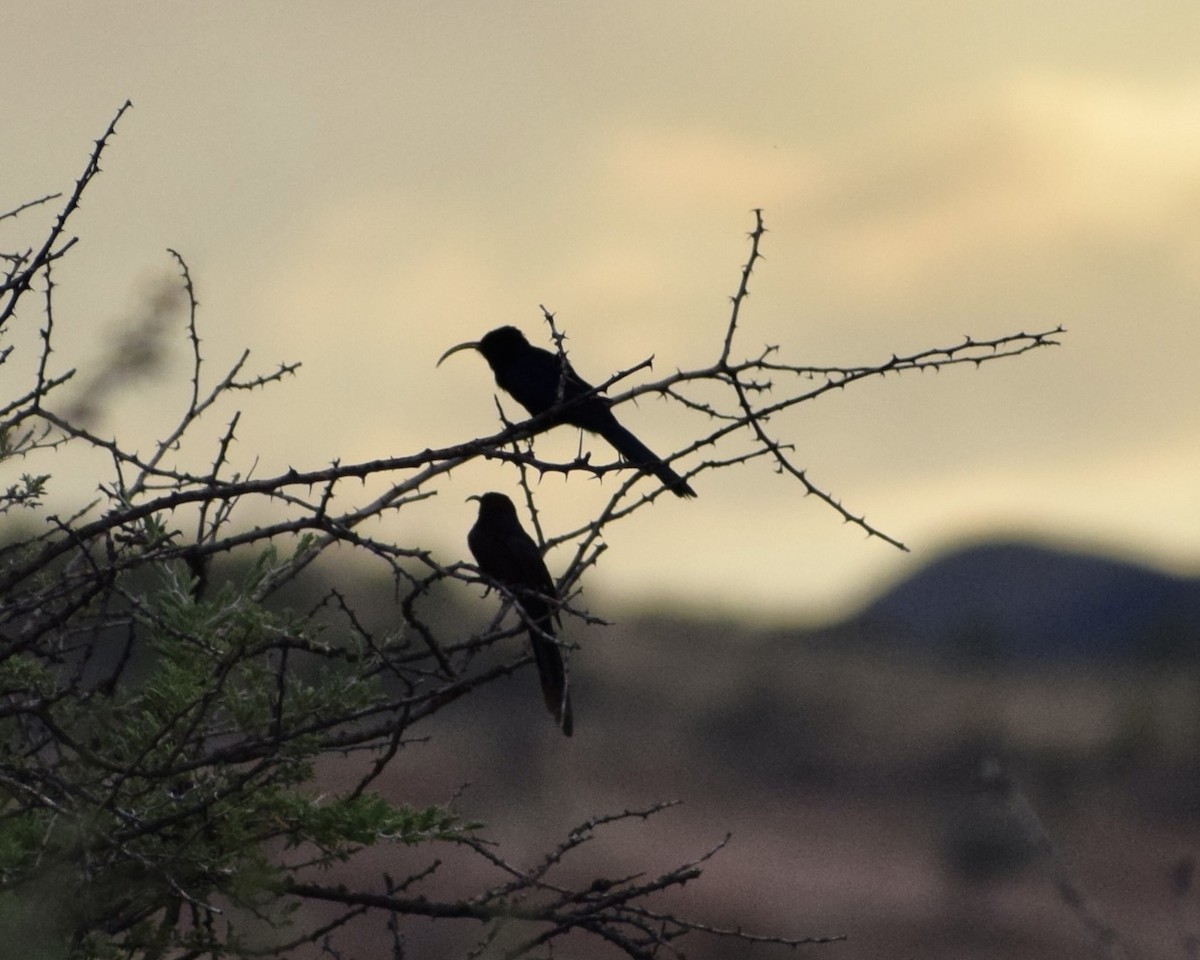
170,727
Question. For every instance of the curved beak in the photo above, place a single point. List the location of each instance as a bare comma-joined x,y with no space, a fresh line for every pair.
469,345
474,496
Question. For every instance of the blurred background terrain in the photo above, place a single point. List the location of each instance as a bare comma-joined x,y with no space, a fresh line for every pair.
855,762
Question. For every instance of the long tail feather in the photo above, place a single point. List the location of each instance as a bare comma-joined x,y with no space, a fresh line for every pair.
637,453
553,676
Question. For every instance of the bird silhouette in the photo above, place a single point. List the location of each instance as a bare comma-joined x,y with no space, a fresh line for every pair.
539,380
506,553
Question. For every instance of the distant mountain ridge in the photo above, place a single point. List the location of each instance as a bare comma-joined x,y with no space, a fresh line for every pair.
1020,600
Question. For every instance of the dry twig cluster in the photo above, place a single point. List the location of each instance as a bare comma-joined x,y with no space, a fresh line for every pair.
159,732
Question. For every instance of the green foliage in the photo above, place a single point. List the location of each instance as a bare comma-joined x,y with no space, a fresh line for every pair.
181,784
29,492
340,825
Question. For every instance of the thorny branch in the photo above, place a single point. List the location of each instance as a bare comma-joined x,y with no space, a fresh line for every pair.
611,908
90,599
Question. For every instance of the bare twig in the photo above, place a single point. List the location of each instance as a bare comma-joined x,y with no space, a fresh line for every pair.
147,711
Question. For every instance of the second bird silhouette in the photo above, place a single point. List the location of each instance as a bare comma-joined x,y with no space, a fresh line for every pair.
534,378
507,554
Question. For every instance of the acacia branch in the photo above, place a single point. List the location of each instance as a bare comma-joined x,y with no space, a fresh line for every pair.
159,710
19,282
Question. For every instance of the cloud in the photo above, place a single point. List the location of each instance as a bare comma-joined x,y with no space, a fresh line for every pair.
1037,162
708,167
1029,160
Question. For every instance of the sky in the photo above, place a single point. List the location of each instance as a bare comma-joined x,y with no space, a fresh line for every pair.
360,186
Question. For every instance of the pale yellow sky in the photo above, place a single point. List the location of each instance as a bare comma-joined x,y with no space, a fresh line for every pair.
358,186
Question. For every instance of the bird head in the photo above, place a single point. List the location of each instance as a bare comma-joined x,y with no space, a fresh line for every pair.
494,503
498,347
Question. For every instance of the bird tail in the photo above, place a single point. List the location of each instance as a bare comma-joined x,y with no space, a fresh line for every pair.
638,454
553,675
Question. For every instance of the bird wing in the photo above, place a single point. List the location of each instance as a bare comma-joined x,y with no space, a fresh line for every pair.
531,575
533,380
512,558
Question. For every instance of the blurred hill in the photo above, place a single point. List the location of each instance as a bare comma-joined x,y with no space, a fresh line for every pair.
1034,602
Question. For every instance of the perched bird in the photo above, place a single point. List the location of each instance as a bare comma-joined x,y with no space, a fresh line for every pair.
537,378
507,554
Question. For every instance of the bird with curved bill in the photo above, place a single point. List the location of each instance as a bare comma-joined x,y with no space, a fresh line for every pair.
540,380
506,553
